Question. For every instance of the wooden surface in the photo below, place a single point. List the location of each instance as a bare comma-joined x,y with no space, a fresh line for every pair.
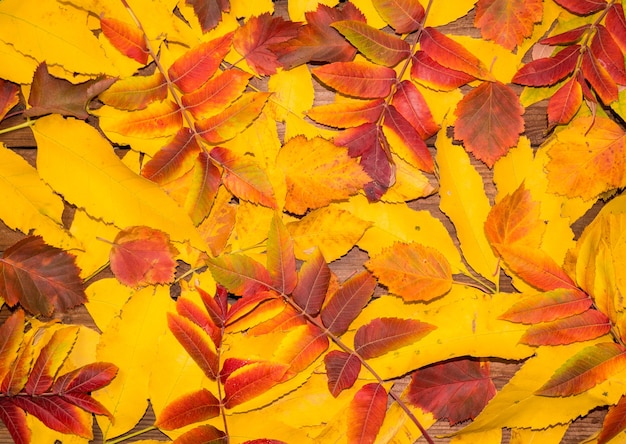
23,143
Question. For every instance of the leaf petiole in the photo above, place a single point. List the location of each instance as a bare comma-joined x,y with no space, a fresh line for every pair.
130,435
26,124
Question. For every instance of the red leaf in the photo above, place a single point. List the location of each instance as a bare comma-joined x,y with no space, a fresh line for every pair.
143,256
254,41
281,260
252,304
87,403
136,92
616,24
197,406
347,302
11,336
313,281
366,413
359,79
217,93
614,422
56,413
549,70
413,149
15,379
565,103
567,37
548,306
489,121
590,366
382,335
175,158
217,305
404,16
126,38
582,7
283,322
196,342
85,379
317,41
347,114
585,326
608,54
198,64
239,273
160,119
457,390
14,419
342,370
209,12
507,23
203,188
378,46
244,177
411,105
447,52
198,316
9,97
301,347
599,78
40,277
252,380
425,70
233,120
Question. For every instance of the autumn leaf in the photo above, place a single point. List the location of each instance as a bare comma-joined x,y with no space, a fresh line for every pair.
614,422
240,274
366,413
585,326
342,370
143,256
548,306
549,70
53,95
9,97
404,16
188,409
413,271
564,104
489,121
383,335
128,39
457,390
427,71
39,277
358,79
251,380
178,155
196,342
136,92
507,23
209,13
348,114
313,283
582,7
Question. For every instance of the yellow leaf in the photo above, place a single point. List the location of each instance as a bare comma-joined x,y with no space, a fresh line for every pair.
464,201
317,173
410,183
332,229
131,342
517,406
292,93
106,297
16,67
551,435
94,254
245,9
398,222
46,435
250,232
297,126
441,13
370,13
79,164
398,428
486,437
28,203
297,8
440,103
49,33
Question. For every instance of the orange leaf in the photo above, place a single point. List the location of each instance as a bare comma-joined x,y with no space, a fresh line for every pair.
198,64
204,433
203,189
57,414
128,39
287,319
347,114
244,177
358,79
342,370
143,256
410,147
616,24
434,75
239,273
507,23
251,380
11,336
366,413
188,309
378,46
411,105
489,121
591,366
599,78
175,158
217,93
136,92
586,167
404,16
585,326
301,347
614,422
347,302
413,271
548,306
281,260
192,407
313,281
9,97
233,120
40,277
159,119
253,306
565,103
196,342
382,335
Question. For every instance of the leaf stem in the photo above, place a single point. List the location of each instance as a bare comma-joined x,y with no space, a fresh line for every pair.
26,124
131,435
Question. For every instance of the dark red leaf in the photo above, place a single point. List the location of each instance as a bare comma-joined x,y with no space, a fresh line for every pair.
313,280
549,70
366,413
411,105
56,413
342,370
599,78
413,149
281,260
40,277
382,335
565,103
209,12
567,37
85,379
582,7
197,406
265,441
9,97
616,24
425,70
14,419
87,403
609,54
196,342
254,41
347,302
457,390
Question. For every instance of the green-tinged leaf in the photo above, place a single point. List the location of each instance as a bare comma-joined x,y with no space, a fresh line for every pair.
133,93
239,273
378,46
590,324
548,306
404,16
77,162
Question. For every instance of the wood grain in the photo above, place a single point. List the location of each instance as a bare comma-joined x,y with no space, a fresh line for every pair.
23,143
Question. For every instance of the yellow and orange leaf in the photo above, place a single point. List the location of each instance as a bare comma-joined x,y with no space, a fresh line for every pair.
590,324
251,380
507,23
404,16
281,260
128,39
383,335
190,408
365,80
